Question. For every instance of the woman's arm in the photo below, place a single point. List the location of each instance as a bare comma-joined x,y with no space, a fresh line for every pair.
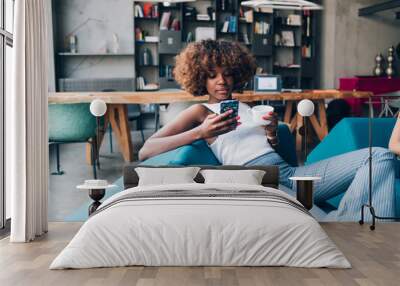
394,143
190,125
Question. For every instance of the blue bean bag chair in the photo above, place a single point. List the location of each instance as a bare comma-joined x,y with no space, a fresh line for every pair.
351,134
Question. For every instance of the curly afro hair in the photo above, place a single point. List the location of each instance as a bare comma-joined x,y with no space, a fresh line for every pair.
195,61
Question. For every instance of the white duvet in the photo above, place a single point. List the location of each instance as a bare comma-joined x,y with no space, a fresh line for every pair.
200,231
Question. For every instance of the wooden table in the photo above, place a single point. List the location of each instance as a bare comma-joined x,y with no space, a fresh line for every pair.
117,110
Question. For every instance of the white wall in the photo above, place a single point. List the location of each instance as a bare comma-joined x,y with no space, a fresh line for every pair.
350,43
104,19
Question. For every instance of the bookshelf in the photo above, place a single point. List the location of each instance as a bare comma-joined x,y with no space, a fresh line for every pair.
226,19
155,45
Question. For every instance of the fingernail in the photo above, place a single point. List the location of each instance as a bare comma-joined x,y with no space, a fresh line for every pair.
271,113
237,117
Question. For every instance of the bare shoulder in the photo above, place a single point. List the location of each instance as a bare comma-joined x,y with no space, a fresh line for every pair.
198,111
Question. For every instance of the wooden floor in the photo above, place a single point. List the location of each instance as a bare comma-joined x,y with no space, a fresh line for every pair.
375,257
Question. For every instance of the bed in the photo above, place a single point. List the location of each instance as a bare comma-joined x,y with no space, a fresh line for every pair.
201,224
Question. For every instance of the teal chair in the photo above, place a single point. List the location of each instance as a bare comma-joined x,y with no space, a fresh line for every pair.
353,135
72,123
198,153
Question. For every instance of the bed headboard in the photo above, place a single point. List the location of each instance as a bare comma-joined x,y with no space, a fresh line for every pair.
271,177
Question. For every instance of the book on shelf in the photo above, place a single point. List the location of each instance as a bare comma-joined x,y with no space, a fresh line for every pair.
165,18
175,25
225,27
154,11
147,8
232,24
261,28
248,16
140,83
166,72
138,11
229,25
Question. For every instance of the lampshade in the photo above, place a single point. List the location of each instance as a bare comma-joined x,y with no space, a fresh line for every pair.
305,108
283,4
98,107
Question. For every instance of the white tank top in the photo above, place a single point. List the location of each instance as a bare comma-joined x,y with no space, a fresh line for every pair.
242,145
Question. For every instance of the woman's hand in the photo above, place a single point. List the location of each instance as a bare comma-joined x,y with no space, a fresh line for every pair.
272,128
215,125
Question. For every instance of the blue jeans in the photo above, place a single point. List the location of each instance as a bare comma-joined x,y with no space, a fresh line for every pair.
347,173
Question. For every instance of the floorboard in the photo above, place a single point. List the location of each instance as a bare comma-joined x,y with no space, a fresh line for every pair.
374,255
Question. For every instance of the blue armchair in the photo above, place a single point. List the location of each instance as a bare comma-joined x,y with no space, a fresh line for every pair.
353,134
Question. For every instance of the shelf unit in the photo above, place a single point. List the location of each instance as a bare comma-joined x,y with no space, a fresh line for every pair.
310,49
271,58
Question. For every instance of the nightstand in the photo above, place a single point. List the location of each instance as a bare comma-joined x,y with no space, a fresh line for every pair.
305,189
97,190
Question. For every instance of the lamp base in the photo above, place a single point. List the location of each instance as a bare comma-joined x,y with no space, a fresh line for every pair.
374,216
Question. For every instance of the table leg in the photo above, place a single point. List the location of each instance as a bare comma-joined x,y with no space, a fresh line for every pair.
96,195
156,117
101,133
288,112
320,126
304,193
117,115
299,137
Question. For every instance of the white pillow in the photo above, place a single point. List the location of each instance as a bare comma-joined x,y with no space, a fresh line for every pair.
248,177
166,176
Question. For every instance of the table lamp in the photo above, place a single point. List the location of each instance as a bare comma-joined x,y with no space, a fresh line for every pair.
306,109
98,108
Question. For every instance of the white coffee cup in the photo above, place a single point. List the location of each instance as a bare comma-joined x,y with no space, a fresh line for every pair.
257,113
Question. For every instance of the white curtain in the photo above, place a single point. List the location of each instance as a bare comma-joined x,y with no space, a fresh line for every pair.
26,123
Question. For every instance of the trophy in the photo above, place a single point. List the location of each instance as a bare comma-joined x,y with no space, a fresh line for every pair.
390,60
378,70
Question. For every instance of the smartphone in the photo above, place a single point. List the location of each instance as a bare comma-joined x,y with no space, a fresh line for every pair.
230,104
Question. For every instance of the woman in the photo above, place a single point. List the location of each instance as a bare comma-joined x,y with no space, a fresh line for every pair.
394,143
218,68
